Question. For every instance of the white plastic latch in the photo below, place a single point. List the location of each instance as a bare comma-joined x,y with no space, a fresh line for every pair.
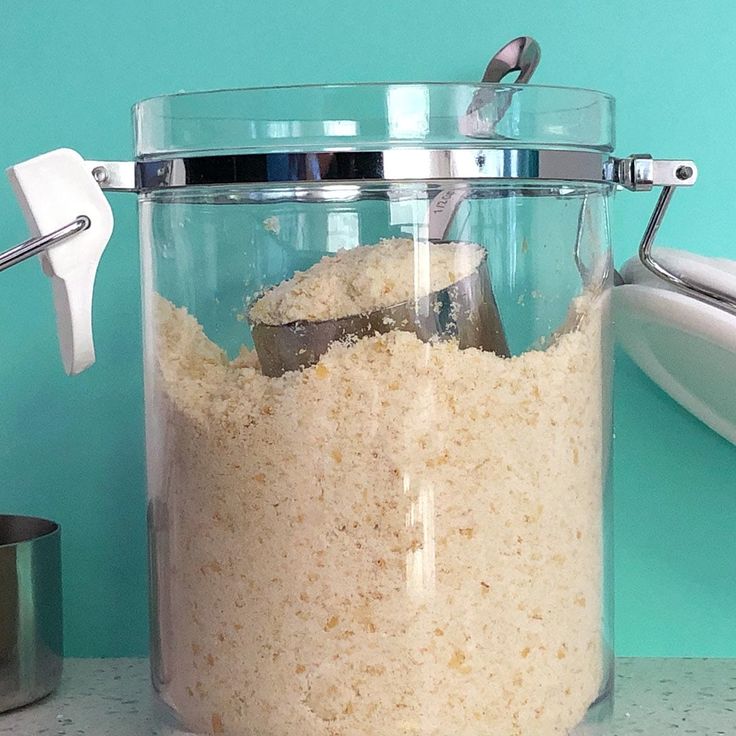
53,190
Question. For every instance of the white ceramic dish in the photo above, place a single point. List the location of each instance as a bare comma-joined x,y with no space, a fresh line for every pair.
684,345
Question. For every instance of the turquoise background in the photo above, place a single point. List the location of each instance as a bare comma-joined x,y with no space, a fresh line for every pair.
72,448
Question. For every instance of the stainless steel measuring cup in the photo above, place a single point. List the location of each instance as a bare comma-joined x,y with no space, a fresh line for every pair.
31,641
465,311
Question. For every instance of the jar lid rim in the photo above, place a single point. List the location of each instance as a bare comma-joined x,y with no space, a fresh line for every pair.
373,85
369,116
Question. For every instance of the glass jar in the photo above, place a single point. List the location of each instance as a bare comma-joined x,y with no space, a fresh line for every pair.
378,362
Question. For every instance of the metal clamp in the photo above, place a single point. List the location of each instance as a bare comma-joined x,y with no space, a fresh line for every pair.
637,173
641,173
709,294
109,175
34,246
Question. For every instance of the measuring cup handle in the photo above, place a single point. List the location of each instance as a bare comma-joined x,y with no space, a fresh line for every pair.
520,55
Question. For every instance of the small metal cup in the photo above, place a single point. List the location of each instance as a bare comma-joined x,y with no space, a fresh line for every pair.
465,311
31,645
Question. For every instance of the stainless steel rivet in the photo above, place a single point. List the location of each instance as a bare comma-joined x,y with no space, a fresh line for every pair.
100,174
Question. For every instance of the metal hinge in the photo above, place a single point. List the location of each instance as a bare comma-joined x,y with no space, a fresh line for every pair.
640,172
119,176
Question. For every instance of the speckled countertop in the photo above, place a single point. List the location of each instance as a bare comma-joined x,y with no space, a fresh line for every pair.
654,697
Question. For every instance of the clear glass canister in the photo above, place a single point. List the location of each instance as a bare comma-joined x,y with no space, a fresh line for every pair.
378,409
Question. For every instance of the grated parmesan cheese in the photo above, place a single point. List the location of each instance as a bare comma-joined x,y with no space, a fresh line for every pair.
366,278
404,538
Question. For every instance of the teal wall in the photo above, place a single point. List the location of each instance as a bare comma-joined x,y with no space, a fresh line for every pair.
72,448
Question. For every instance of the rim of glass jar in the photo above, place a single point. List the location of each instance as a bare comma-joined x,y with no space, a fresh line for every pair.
410,114
346,85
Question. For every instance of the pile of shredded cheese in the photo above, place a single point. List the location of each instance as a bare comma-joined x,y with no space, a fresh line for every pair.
404,538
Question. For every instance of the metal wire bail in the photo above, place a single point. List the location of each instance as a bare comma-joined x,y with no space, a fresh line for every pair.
708,294
34,246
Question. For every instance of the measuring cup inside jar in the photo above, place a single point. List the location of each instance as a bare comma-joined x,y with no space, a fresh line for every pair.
295,323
